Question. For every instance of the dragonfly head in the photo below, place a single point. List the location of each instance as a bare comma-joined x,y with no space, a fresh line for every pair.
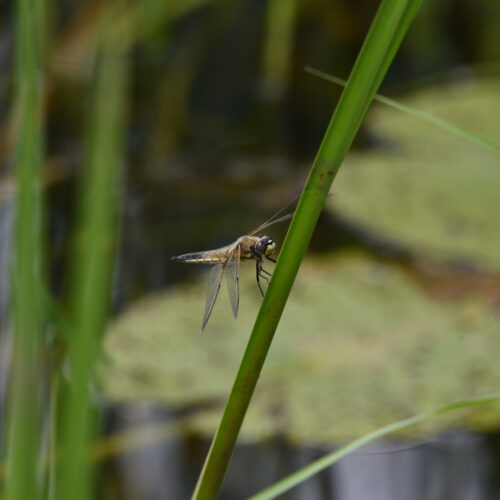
265,246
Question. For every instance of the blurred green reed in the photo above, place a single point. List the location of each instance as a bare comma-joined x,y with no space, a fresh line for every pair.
23,429
278,44
386,33
90,271
91,265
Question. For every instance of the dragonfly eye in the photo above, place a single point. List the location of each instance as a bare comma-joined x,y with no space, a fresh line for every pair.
265,246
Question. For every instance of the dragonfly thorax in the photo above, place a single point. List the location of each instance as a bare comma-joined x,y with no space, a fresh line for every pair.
264,246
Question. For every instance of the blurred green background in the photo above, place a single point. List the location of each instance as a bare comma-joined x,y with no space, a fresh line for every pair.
396,309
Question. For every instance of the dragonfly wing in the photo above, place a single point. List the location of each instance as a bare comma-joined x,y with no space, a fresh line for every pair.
214,281
277,217
233,279
271,222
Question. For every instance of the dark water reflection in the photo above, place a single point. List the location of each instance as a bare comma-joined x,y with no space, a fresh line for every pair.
455,465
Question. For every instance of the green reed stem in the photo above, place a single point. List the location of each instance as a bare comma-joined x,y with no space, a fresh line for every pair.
23,431
92,263
385,35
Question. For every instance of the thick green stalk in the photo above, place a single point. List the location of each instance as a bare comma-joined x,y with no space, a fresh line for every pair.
92,263
24,415
383,39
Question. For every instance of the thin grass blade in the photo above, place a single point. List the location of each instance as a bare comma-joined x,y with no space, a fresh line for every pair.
307,472
454,129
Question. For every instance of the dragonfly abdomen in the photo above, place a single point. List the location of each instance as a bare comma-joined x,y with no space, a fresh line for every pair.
199,258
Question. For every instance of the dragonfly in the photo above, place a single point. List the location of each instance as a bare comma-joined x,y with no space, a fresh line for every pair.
226,262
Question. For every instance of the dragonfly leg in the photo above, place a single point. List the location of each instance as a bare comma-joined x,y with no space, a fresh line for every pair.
271,259
262,274
258,267
262,270
264,278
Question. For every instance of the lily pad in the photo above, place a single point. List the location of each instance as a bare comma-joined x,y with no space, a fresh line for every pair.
432,191
359,346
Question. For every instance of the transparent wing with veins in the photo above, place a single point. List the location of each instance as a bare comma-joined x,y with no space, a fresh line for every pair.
233,279
271,222
276,218
214,284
